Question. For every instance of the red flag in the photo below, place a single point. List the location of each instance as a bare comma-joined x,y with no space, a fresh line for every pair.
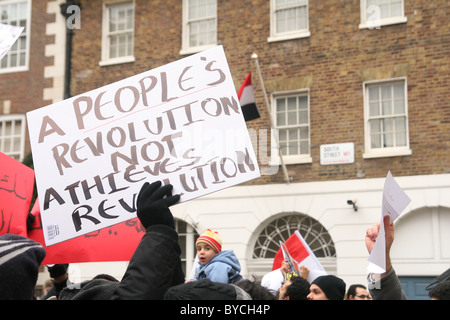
298,252
115,243
295,248
16,191
247,99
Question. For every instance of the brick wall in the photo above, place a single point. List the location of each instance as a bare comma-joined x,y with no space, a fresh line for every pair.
332,63
25,89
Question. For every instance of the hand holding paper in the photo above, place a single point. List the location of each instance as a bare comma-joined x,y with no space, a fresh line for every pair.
379,238
386,241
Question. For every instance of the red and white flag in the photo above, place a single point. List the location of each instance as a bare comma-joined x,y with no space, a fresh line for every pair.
247,99
295,248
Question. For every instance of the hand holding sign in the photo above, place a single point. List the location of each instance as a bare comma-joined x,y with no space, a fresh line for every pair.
153,204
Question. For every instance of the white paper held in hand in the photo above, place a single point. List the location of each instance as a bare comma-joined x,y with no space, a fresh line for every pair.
394,201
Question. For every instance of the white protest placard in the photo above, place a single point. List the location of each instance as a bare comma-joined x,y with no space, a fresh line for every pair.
180,123
8,36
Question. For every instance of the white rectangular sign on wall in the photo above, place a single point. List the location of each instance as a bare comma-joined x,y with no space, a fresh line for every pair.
339,153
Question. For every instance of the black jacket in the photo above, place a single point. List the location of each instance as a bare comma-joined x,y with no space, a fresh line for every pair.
154,267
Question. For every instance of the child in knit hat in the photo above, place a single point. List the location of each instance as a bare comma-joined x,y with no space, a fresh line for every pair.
215,264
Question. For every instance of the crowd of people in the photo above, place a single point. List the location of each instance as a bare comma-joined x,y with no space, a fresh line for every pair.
154,271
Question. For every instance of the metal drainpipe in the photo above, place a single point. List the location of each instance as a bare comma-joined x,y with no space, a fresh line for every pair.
69,35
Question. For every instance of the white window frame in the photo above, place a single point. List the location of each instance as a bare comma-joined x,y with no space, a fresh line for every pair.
185,46
106,60
26,33
11,118
274,36
384,151
187,235
370,17
288,159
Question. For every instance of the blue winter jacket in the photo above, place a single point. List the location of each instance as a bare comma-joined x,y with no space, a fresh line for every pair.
224,267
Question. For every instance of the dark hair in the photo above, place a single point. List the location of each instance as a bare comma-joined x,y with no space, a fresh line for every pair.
441,291
256,291
352,289
298,289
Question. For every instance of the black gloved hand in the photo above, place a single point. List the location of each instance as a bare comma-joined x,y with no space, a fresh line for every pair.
153,204
30,221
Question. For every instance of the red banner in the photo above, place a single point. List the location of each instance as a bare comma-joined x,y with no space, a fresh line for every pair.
115,243
16,192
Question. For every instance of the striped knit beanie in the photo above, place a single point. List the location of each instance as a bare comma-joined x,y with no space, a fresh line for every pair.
211,238
20,259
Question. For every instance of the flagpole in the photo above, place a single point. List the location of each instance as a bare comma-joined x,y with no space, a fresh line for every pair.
272,123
